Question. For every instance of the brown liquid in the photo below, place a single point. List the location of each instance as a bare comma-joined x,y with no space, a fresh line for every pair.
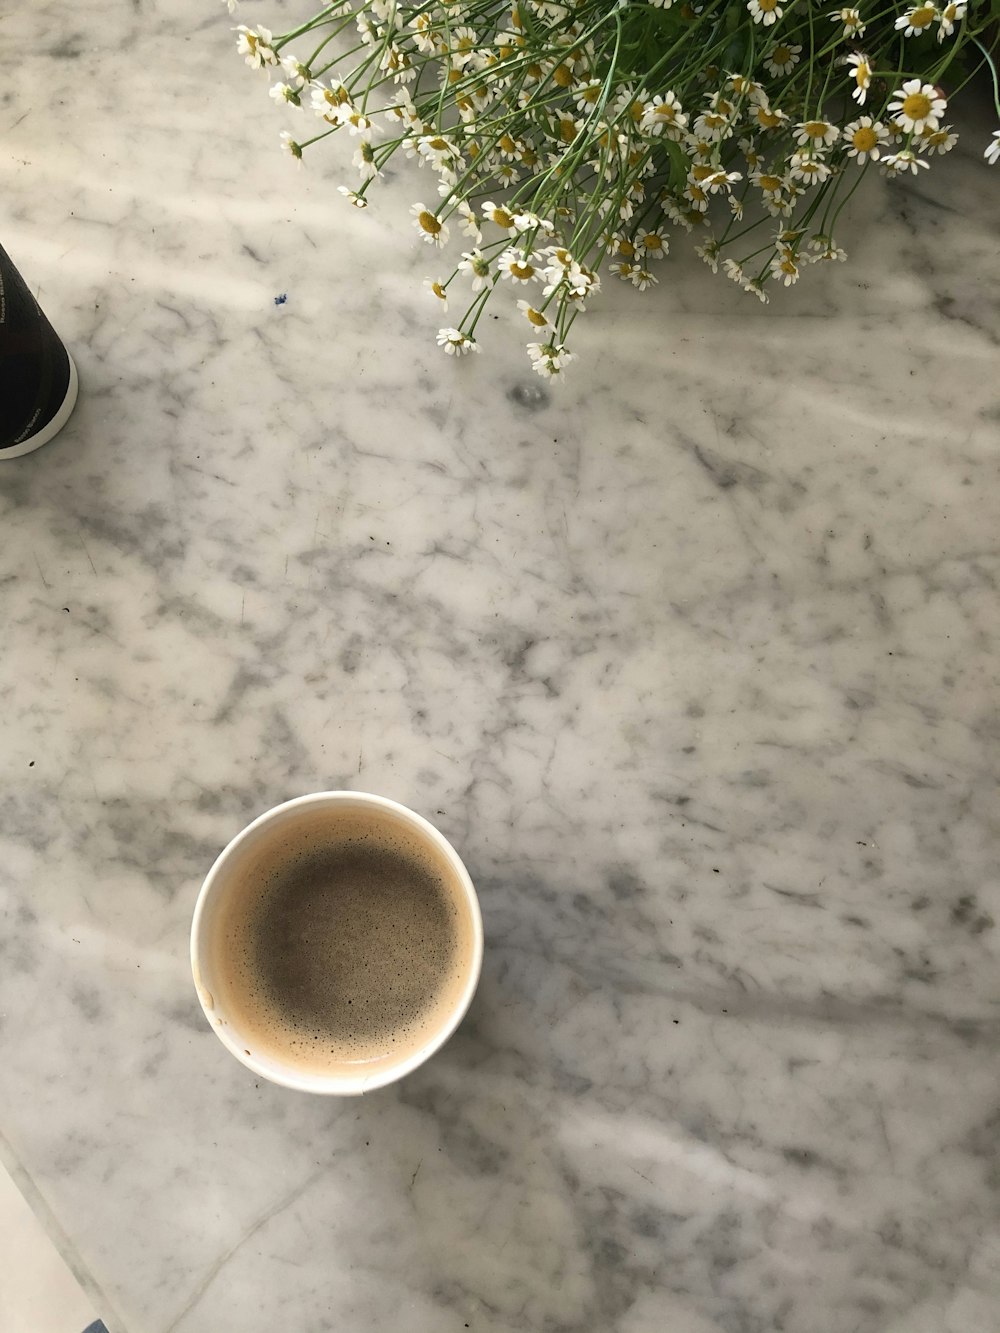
345,943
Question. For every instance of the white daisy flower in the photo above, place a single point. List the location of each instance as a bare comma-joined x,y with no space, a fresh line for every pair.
256,46
516,265
469,223
808,166
290,146
331,104
769,117
642,279
851,19
663,115
431,228
697,197
499,215
768,182
916,20
818,133
714,179
357,122
993,149
712,125
652,243
364,160
548,359
748,88
436,150
898,164
755,288
917,106
531,221
296,71
456,343
765,11
824,250
709,252
861,69
784,268
538,319
462,43
437,290
282,92
587,94
622,268
947,18
782,59
865,138
352,197
942,140
474,263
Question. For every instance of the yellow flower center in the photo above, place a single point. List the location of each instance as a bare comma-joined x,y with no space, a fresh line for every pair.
502,218
767,119
522,270
768,5
439,291
917,106
627,248
816,129
695,193
507,144
701,171
567,131
781,55
769,184
788,266
590,95
864,139
666,111
921,17
652,242
562,76
863,74
536,317
429,223
934,137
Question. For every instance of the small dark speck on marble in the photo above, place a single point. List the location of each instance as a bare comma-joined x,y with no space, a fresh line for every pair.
281,298
531,396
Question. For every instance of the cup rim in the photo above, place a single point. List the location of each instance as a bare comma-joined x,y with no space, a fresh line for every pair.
337,1084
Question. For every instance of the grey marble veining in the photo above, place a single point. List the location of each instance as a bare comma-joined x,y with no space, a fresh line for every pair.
694,660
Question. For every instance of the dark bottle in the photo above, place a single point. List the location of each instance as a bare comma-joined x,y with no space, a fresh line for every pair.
38,383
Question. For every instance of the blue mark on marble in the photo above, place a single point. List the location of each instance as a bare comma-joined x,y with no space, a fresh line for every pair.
280,299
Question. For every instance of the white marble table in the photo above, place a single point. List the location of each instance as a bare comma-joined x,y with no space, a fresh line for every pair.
695,661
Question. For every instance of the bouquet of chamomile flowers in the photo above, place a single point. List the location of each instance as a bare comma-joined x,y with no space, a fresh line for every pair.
564,140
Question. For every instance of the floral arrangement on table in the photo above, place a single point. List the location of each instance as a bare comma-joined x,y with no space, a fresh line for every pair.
562,139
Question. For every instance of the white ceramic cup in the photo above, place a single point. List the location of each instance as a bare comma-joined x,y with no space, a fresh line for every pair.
227,877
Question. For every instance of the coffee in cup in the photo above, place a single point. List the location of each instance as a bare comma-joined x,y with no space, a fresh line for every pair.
337,942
